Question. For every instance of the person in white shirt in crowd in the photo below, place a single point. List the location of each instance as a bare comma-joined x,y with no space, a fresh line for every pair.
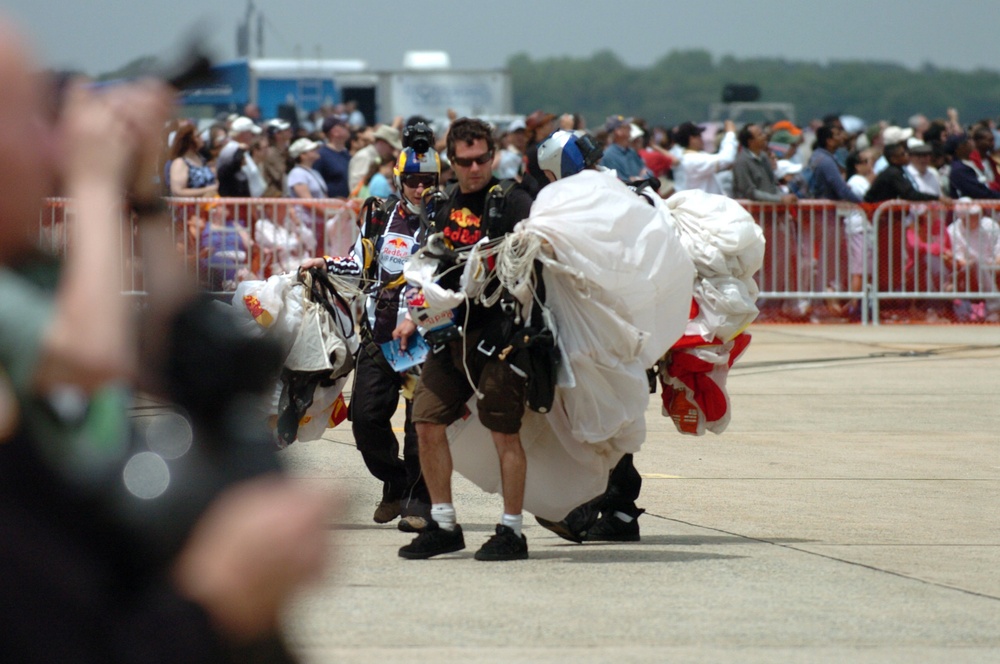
256,159
925,177
305,183
856,224
975,244
697,169
238,175
511,162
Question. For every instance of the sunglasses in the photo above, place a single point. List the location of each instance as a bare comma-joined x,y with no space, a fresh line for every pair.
417,180
467,162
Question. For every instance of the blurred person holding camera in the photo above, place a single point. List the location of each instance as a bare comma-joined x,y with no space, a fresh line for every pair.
89,575
698,169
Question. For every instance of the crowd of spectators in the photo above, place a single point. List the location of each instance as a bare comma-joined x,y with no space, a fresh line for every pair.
337,154
243,155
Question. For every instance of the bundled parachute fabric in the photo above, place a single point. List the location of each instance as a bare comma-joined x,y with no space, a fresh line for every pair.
694,385
727,248
321,344
314,326
618,284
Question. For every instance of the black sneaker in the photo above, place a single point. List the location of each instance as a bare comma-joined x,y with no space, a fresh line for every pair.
433,541
612,529
505,545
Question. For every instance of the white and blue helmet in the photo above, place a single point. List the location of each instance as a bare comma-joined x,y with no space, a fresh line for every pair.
566,153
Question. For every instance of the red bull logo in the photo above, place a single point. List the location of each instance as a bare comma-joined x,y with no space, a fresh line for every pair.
394,252
415,300
463,218
463,237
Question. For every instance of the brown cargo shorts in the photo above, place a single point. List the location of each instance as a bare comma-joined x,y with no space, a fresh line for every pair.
444,389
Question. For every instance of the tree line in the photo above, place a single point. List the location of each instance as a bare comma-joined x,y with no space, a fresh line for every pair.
681,85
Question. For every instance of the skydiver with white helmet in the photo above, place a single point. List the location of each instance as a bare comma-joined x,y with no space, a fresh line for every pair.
612,516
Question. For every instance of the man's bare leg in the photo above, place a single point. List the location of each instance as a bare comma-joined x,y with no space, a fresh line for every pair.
443,534
513,468
435,460
509,543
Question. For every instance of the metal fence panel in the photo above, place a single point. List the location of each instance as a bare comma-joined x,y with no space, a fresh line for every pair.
223,241
823,260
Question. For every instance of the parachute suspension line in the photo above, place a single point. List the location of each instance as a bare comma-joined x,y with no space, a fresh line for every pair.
465,355
515,260
344,286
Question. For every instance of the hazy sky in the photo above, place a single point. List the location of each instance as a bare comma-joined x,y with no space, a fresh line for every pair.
101,35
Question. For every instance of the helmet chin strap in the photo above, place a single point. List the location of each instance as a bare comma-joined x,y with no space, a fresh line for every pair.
412,207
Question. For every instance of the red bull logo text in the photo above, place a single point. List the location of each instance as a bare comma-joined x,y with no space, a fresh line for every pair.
464,228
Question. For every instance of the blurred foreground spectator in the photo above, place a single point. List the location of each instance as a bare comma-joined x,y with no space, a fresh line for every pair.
96,568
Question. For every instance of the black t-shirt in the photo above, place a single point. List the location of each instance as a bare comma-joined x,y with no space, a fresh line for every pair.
462,223
462,219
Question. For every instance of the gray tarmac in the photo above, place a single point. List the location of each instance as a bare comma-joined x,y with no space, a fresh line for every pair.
850,513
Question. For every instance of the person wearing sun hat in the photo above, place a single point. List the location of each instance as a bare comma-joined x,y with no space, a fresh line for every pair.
305,183
538,126
388,143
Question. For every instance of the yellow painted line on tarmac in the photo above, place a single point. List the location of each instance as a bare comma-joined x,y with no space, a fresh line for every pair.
660,476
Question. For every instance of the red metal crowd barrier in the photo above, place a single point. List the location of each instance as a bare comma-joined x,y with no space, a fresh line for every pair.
824,262
902,261
226,240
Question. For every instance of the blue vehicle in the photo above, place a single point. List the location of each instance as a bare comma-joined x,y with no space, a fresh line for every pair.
272,84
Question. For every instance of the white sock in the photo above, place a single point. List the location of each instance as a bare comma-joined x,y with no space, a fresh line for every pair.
624,517
444,514
513,521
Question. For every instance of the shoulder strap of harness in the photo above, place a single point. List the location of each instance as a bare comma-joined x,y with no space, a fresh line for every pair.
495,203
375,213
437,208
